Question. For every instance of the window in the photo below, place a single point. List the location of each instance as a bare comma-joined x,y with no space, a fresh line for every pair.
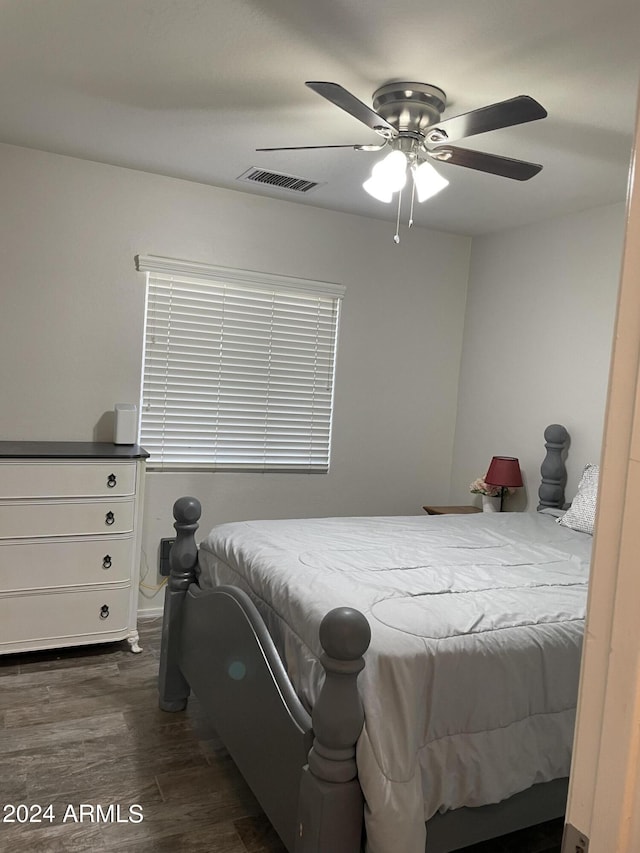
238,368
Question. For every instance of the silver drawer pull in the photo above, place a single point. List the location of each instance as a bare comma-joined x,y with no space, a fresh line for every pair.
106,561
109,518
111,481
104,612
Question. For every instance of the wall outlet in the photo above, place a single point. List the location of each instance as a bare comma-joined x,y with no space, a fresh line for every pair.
163,564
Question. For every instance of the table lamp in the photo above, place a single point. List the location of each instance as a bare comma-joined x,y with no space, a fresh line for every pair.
504,471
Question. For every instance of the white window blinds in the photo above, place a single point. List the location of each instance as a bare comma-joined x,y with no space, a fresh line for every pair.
238,368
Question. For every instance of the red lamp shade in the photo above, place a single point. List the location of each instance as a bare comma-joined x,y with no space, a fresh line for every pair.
504,471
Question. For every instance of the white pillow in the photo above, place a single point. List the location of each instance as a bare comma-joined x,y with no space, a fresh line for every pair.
581,515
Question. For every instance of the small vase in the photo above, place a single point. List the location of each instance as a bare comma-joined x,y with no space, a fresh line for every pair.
491,503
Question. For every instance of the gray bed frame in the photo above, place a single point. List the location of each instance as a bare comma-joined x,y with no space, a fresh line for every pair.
302,768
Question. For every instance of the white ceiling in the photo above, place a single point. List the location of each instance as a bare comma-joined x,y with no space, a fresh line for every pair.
190,88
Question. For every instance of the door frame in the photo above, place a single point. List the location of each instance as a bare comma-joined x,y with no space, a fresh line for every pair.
604,790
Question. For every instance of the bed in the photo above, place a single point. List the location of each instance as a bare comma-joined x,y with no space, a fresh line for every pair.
403,683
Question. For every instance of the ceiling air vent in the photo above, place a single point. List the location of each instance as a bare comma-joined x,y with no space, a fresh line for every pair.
274,179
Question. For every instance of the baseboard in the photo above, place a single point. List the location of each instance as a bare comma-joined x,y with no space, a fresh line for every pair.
150,613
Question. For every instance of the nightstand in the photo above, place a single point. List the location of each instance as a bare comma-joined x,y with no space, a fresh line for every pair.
451,510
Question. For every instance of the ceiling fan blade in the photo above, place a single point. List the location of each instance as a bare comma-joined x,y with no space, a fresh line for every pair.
346,101
518,170
503,114
311,147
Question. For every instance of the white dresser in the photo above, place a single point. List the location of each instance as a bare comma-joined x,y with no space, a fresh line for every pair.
70,517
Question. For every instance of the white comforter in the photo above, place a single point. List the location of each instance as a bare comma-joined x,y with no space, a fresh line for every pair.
471,678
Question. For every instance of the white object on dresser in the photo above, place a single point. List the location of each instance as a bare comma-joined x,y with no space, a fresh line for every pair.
69,543
125,429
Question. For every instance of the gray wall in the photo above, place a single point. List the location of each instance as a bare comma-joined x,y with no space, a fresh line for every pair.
72,317
537,344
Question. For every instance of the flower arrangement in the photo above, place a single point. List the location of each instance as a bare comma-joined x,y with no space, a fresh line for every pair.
479,487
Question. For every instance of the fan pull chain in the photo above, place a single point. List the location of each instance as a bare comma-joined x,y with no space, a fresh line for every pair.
396,238
413,193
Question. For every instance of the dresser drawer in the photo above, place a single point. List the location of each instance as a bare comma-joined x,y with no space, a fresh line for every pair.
22,519
66,479
49,563
40,620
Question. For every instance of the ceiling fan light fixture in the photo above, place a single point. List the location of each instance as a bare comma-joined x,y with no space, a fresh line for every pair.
427,181
378,189
387,177
393,170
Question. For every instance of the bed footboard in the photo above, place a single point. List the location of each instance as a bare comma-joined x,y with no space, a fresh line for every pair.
215,643
183,558
330,812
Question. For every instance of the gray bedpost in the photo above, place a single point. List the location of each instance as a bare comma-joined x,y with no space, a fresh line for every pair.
330,806
183,558
553,471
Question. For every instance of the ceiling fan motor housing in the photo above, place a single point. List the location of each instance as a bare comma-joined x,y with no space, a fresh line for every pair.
410,107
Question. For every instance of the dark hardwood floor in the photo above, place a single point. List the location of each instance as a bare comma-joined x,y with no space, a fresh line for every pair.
81,728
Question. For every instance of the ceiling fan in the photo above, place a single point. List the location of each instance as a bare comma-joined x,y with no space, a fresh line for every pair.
408,118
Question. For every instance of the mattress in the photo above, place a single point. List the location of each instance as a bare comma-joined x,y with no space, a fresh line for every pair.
471,678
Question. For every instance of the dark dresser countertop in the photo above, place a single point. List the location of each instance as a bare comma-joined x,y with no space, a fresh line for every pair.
70,450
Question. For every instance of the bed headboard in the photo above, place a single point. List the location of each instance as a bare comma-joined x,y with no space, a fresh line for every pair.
553,470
